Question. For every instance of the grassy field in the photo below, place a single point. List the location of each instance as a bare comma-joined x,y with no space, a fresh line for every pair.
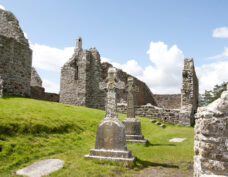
32,130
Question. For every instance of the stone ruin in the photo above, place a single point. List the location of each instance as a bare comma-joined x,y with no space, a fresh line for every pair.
132,125
80,78
15,56
110,140
81,75
211,139
189,94
38,91
189,101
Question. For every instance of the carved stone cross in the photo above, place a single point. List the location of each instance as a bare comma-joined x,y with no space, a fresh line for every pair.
110,87
131,89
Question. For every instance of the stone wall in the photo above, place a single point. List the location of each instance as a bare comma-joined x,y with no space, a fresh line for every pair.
151,111
15,56
142,96
37,91
189,93
169,101
211,139
80,78
35,78
81,75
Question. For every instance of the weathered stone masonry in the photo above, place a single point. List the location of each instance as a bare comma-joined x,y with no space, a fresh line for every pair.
189,93
15,56
81,75
38,91
211,139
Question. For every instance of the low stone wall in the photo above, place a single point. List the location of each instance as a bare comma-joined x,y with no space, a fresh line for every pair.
165,115
39,93
211,139
168,101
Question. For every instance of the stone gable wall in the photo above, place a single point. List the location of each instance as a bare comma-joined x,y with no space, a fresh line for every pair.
81,75
15,56
169,101
15,66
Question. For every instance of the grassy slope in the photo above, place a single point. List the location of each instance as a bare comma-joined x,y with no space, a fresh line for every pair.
31,130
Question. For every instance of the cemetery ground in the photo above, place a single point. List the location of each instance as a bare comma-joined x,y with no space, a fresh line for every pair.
32,130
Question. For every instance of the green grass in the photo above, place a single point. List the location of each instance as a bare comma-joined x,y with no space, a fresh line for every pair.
32,130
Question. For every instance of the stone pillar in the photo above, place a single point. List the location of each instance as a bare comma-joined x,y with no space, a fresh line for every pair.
211,139
1,87
132,125
110,140
189,94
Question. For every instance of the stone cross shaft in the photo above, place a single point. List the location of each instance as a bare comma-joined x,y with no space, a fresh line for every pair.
110,87
131,89
1,87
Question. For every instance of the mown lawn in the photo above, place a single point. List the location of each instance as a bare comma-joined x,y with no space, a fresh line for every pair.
32,130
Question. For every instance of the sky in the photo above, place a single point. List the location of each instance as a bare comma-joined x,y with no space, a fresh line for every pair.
148,39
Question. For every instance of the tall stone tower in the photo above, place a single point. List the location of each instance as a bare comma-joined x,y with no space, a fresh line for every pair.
80,78
189,93
15,56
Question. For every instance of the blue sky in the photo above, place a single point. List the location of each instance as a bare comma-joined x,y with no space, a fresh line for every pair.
122,31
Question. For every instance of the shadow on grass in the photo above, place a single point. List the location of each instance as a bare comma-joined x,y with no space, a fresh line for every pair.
150,144
144,164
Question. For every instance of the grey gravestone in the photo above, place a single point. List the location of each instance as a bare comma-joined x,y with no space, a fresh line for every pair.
41,168
1,87
110,139
132,125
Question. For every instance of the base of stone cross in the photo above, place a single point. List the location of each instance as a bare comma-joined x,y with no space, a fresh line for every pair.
133,131
111,155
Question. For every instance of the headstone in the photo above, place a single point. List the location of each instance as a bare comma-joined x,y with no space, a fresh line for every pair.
110,140
132,125
41,168
1,87
177,140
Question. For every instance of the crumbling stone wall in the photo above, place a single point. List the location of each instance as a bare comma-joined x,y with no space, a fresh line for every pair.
35,78
211,139
151,111
81,75
189,93
142,96
168,101
37,90
80,78
15,56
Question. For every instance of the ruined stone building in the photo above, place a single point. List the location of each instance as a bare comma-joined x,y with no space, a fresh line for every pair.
15,56
174,109
80,78
81,75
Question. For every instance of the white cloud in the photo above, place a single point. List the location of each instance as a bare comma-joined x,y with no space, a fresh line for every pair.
211,74
220,32
50,86
2,7
164,73
49,58
222,55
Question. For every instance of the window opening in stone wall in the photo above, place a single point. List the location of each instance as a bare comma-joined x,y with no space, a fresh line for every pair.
76,73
